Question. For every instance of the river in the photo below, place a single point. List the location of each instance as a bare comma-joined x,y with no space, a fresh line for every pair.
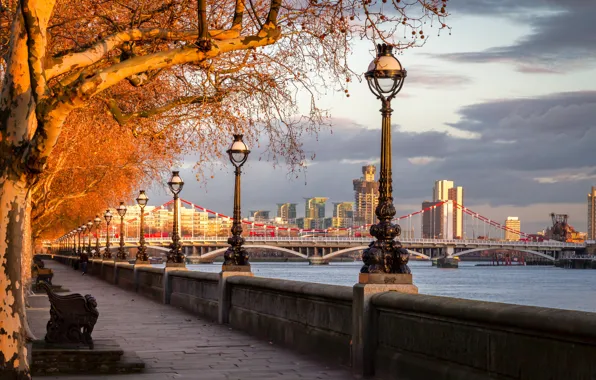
547,286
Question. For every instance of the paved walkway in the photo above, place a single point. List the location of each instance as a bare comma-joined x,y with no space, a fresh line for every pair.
175,344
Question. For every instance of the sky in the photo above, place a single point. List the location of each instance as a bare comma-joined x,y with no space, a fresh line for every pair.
505,106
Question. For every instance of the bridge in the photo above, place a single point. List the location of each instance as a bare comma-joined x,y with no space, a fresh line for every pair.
319,246
324,249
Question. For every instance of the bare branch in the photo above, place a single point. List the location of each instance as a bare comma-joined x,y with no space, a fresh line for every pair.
122,118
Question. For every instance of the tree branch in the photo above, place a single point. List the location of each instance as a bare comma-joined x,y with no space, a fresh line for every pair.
122,118
60,65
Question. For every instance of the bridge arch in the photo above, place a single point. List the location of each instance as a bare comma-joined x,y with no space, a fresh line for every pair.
541,254
352,249
220,251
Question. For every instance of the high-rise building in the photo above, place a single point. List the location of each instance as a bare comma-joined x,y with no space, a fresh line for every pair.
451,223
514,224
431,222
259,215
366,196
441,190
314,212
456,195
592,214
287,212
343,215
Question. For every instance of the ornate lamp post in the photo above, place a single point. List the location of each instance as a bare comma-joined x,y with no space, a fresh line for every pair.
97,222
142,258
89,225
121,211
107,254
385,77
81,231
175,256
236,255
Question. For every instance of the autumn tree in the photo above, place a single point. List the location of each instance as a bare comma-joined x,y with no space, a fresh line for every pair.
170,69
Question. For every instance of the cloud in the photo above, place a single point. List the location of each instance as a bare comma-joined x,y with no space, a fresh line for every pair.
562,38
434,79
528,151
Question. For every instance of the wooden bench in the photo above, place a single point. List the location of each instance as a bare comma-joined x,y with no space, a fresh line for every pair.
40,273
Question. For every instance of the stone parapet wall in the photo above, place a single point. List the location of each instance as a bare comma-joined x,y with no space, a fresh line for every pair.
196,292
413,336
421,336
150,282
313,318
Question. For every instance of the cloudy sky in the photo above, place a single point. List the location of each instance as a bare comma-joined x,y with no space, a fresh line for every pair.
505,106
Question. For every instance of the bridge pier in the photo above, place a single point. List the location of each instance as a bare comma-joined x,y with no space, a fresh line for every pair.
447,260
317,260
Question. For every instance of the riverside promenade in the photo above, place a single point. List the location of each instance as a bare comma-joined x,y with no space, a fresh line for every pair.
175,344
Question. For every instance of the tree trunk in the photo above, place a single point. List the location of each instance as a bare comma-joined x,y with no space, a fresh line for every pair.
13,220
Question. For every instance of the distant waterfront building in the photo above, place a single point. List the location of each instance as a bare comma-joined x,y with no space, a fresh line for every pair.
450,216
441,190
432,228
366,197
314,213
343,215
456,195
592,214
259,215
513,223
287,212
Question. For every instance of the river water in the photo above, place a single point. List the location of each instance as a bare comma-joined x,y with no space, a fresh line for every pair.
546,286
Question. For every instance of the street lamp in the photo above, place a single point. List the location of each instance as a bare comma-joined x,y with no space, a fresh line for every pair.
385,77
175,256
142,258
89,225
107,254
236,255
82,245
97,222
121,211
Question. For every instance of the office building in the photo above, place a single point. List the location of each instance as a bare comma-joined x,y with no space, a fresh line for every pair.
437,220
449,214
592,214
287,212
456,195
366,197
514,224
441,190
343,215
259,216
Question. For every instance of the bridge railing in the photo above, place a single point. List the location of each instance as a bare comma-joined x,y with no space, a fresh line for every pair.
364,240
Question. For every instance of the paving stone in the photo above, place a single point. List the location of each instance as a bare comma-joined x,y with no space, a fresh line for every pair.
175,344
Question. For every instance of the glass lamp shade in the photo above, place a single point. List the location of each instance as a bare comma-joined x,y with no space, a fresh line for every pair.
238,151
385,75
97,221
121,209
83,228
89,224
108,216
142,199
175,183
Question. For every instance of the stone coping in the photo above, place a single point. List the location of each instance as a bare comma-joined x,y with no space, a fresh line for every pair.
125,265
143,268
309,289
195,275
571,324
109,263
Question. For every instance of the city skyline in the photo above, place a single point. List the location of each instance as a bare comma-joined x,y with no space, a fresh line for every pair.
518,134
